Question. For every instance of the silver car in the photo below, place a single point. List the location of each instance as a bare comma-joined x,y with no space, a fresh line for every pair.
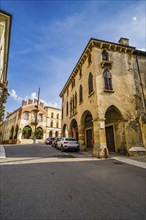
68,144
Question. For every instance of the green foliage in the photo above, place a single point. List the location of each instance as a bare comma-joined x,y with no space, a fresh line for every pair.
39,133
26,132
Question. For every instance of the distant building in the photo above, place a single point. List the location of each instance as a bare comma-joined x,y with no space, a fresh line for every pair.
104,99
20,125
5,30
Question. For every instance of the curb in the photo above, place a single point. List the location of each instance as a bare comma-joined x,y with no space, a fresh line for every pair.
130,161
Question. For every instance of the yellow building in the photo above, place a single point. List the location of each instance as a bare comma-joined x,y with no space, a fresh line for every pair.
5,30
32,122
103,100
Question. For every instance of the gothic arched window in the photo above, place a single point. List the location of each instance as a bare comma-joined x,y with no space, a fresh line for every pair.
107,80
80,94
67,108
104,55
90,83
75,99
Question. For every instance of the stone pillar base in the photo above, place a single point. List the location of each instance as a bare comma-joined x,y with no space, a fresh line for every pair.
101,152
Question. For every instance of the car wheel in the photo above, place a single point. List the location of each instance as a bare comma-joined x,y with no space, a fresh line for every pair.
62,149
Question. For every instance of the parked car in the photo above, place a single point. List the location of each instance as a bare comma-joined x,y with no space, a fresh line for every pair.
68,144
49,140
54,143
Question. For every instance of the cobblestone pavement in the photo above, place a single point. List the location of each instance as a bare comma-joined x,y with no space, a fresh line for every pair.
139,158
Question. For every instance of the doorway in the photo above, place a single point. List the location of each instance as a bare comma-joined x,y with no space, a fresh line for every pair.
110,138
89,138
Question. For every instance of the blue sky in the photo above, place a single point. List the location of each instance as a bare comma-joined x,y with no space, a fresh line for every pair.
48,37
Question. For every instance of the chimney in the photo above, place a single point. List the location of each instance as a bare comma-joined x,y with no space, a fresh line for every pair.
45,108
35,100
29,101
124,41
42,104
24,103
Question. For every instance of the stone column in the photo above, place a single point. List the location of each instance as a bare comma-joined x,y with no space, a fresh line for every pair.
69,133
99,149
81,137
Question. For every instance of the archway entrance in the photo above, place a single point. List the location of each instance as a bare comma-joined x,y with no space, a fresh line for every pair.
39,133
87,124
26,133
74,129
112,119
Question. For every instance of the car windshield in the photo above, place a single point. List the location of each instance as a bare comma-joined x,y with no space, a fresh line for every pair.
70,139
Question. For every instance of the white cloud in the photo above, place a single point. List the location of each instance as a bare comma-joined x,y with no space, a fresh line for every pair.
33,96
14,95
134,18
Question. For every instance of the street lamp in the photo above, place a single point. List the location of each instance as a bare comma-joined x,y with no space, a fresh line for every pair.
36,112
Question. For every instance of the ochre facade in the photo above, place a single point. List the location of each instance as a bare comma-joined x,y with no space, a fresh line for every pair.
32,122
103,101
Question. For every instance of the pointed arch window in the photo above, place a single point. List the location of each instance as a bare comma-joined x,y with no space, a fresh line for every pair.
107,80
75,99
90,83
81,94
105,55
67,108
26,116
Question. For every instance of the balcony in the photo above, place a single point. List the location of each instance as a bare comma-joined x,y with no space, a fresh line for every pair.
106,63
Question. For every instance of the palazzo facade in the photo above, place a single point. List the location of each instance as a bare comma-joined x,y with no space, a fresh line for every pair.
31,119
104,99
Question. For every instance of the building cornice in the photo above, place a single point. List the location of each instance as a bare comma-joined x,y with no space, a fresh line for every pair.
101,44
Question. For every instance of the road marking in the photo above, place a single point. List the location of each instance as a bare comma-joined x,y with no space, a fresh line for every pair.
20,161
2,152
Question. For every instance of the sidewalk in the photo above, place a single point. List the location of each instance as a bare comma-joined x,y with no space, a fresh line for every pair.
139,161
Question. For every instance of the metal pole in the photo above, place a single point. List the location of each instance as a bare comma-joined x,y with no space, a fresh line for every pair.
36,116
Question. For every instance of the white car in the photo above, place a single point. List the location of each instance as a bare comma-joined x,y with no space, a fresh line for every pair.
68,144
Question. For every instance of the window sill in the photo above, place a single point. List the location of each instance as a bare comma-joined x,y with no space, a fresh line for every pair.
80,102
110,91
91,94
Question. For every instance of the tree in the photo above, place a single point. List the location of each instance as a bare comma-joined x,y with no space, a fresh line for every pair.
39,133
26,132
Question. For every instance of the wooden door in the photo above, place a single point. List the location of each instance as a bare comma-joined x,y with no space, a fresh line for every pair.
110,138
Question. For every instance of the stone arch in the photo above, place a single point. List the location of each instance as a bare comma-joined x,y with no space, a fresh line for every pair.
74,129
39,133
26,132
11,132
114,129
87,128
65,130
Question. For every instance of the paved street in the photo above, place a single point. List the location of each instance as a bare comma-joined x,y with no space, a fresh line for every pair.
42,183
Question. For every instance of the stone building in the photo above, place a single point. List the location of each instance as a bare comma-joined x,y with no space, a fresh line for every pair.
29,121
5,30
103,100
